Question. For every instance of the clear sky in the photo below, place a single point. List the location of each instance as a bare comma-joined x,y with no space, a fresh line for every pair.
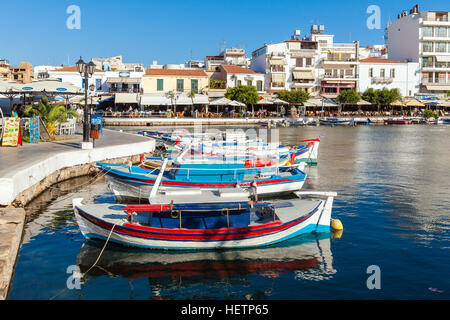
173,31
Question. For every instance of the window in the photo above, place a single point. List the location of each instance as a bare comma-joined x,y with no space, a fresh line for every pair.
427,47
440,47
308,62
160,85
371,72
84,83
427,62
392,73
427,31
259,85
441,32
239,82
382,73
98,84
180,85
194,85
299,62
249,83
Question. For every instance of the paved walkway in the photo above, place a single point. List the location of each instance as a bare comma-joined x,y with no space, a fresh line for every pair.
23,167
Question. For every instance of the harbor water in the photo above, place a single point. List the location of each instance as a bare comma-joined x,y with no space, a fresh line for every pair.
393,185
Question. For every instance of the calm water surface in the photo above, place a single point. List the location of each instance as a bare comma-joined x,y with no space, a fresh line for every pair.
393,187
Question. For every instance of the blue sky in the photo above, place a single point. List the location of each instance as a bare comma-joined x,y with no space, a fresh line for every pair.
173,31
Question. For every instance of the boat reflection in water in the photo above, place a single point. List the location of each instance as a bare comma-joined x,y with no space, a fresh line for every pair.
307,257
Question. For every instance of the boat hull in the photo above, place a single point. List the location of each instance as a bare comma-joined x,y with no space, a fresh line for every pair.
92,226
127,190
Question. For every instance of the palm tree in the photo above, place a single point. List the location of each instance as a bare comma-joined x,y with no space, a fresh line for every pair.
171,96
192,96
51,114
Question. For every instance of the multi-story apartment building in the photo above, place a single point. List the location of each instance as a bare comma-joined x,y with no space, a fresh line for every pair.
423,37
231,56
338,63
315,64
22,73
288,65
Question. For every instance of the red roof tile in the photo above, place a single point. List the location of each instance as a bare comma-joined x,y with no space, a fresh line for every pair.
72,69
175,72
378,60
237,69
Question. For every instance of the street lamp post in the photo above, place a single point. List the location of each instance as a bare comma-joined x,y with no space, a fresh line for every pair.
86,71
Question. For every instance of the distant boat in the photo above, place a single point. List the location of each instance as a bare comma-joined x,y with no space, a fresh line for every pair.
335,121
398,121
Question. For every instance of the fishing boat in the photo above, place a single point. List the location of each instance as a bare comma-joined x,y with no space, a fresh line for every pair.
398,121
205,226
335,121
135,182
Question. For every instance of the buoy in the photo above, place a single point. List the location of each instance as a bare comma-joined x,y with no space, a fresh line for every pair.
336,224
337,234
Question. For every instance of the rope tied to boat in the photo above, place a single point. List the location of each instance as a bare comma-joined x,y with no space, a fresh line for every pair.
101,252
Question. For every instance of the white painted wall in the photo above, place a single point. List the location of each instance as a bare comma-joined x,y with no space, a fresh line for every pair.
407,77
75,79
403,39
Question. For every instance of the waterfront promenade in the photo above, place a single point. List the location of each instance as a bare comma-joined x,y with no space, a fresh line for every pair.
25,168
27,171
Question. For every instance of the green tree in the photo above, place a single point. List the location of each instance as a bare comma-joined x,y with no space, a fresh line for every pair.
370,95
386,97
349,97
245,94
51,114
448,93
296,96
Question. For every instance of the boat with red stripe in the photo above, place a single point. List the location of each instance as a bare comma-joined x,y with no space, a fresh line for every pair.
209,225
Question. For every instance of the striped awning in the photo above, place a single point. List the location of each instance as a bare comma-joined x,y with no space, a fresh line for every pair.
304,75
278,61
439,88
278,77
124,80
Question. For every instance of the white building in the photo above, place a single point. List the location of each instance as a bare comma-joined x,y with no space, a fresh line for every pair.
41,72
123,81
71,75
423,37
380,73
291,64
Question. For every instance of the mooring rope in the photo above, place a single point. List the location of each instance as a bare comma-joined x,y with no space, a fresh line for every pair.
101,252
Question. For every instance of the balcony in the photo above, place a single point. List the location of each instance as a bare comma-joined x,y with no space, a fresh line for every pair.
331,61
124,90
335,77
381,80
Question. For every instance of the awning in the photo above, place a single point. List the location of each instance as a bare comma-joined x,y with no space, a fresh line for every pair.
155,100
278,62
443,58
163,100
278,77
304,75
124,80
439,88
302,55
126,98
